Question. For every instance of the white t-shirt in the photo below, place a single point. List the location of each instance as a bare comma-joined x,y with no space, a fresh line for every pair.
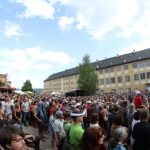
25,106
58,127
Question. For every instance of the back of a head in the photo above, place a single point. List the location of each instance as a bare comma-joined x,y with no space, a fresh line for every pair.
90,138
136,115
120,134
94,118
116,108
118,119
144,114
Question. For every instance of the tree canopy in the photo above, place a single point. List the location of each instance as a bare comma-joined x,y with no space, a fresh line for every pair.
88,78
2,84
27,86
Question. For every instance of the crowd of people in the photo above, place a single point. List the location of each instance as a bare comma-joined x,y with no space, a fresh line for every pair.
108,121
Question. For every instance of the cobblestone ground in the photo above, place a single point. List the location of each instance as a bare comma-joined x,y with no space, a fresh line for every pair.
43,145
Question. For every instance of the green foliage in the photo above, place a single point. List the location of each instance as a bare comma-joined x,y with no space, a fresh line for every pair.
27,86
88,79
2,84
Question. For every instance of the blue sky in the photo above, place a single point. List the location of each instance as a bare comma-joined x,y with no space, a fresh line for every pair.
41,37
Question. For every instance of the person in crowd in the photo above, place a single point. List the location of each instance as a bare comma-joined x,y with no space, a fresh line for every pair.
25,107
141,132
112,115
51,128
93,139
9,120
67,121
11,138
116,143
76,131
124,111
138,99
136,119
59,130
94,120
103,120
8,109
117,123
41,118
33,107
2,120
17,115
130,115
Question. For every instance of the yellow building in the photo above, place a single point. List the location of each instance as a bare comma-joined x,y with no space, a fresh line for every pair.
123,73
4,79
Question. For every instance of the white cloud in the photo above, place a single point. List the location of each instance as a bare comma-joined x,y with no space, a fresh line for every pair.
65,21
31,63
102,17
12,30
136,46
36,8
141,26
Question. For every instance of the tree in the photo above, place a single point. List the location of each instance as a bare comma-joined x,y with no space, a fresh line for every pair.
2,84
27,86
88,79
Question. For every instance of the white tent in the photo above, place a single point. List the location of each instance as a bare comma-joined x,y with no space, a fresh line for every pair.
55,93
19,92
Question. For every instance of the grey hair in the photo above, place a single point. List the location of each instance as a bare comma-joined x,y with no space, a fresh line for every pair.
120,134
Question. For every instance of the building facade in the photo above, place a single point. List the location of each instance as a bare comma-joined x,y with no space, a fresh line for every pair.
120,74
4,79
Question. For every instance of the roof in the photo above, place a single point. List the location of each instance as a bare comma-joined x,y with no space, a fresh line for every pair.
106,63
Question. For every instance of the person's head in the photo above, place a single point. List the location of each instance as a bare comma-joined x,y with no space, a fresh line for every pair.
77,116
116,108
144,114
59,114
94,118
136,115
17,106
92,138
118,119
9,117
11,138
120,134
67,116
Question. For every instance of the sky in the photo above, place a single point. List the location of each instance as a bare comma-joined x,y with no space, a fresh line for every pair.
42,37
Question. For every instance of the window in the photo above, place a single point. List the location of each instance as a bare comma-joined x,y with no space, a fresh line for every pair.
148,75
136,76
118,68
119,79
107,70
125,67
101,71
101,81
142,76
107,80
113,90
134,65
127,78
111,69
112,80
128,90
120,90
147,63
141,64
